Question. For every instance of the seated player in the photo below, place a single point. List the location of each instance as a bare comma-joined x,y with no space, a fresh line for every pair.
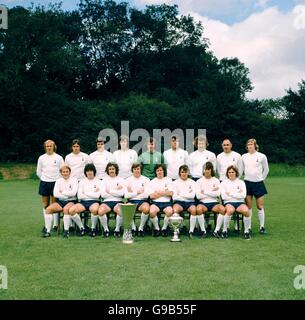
184,197
233,193
112,193
160,192
65,191
208,193
137,192
89,192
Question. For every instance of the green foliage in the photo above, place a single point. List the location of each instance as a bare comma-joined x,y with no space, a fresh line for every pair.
66,75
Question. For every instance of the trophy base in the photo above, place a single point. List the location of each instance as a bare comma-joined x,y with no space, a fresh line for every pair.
175,240
127,241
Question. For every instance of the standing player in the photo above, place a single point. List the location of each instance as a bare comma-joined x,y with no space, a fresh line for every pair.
112,193
198,158
174,158
228,158
256,171
100,158
65,191
233,193
150,158
137,192
48,166
89,192
184,199
77,160
125,157
161,191
208,193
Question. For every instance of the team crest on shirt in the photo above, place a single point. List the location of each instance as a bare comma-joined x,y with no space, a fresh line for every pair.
257,160
70,186
233,159
54,161
83,159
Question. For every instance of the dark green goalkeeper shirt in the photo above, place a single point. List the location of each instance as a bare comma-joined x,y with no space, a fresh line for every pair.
148,161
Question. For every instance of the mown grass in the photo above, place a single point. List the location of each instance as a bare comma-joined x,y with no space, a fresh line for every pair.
152,268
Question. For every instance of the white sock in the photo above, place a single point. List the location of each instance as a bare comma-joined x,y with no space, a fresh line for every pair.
55,219
118,223
133,225
246,223
155,222
165,223
67,222
94,220
261,217
144,218
77,220
250,215
219,222
104,222
201,221
226,222
48,219
193,220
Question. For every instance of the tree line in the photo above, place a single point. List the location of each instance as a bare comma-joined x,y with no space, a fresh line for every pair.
69,74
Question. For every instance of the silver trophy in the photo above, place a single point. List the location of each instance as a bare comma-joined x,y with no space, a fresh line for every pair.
127,210
175,220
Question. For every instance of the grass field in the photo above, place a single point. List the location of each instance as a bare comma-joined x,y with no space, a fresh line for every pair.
152,268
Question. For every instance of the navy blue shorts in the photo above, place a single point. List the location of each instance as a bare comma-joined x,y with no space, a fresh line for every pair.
235,204
185,204
161,205
88,203
256,189
63,203
111,204
46,188
195,179
209,205
138,202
